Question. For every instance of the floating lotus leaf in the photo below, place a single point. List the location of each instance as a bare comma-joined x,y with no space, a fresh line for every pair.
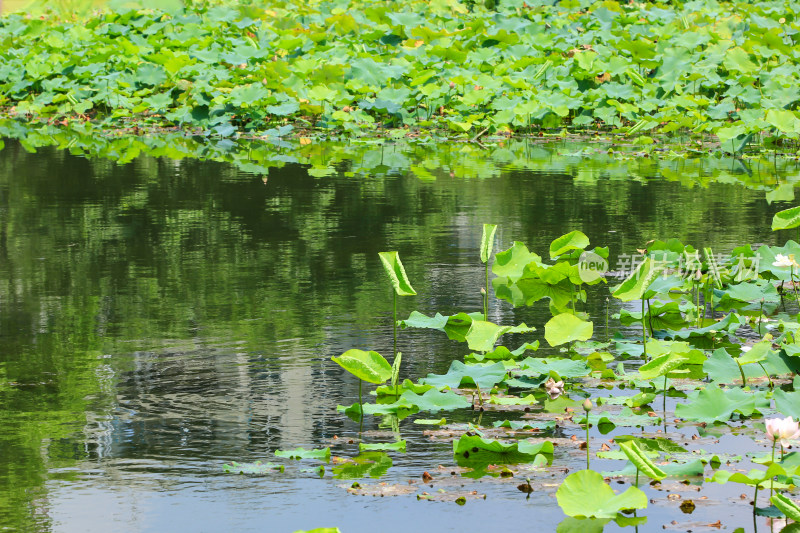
459,373
473,450
565,368
322,454
367,464
713,404
433,400
399,446
252,468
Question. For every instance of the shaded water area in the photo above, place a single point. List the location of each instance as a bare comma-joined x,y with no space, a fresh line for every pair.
162,317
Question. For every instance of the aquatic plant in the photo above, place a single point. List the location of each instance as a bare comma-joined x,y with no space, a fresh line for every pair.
366,366
401,287
487,242
586,494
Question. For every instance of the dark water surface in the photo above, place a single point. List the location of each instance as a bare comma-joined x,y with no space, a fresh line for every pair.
160,318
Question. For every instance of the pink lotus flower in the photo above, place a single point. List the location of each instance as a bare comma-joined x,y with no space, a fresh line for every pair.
554,388
783,430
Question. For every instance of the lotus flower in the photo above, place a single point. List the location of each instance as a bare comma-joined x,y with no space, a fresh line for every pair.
554,388
783,430
785,261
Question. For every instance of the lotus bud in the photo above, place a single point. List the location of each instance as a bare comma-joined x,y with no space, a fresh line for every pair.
452,85
483,291
587,405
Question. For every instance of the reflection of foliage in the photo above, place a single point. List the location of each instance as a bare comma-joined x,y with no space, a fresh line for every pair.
102,258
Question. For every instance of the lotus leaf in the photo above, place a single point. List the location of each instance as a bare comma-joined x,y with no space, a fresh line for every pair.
713,404
585,494
368,366
566,327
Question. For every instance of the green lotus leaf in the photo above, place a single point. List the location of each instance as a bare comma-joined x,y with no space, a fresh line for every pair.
641,461
433,400
487,241
501,353
397,274
605,421
755,477
787,403
635,286
788,507
366,464
252,468
786,219
518,425
406,385
322,454
399,446
513,400
565,368
585,494
482,336
473,450
574,240
693,468
713,404
512,262
784,120
368,366
419,320
566,327
484,376
662,365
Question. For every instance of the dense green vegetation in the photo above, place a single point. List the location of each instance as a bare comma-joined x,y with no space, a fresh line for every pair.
438,67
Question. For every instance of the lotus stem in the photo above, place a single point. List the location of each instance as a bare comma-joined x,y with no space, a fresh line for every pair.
587,407
394,324
741,371
637,478
607,333
771,384
772,480
755,499
486,295
480,395
572,296
360,401
644,333
794,286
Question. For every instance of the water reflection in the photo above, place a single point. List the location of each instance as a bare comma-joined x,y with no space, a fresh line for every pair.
161,317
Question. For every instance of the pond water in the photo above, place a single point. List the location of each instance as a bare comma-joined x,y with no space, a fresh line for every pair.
162,317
